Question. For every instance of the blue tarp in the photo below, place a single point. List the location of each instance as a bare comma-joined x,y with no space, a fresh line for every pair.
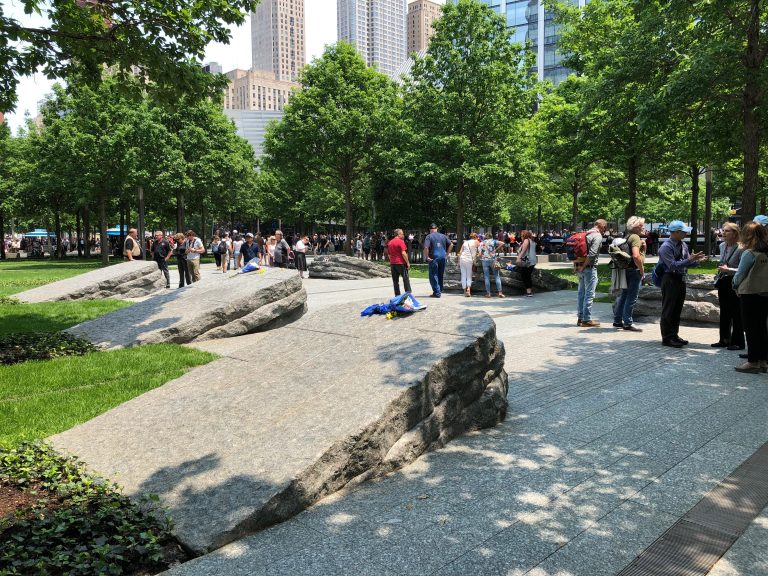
116,231
39,233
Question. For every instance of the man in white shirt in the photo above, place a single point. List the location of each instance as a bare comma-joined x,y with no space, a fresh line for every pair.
194,248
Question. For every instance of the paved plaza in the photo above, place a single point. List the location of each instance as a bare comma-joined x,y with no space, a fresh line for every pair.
609,440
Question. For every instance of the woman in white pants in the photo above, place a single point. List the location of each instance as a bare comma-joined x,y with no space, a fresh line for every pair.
467,259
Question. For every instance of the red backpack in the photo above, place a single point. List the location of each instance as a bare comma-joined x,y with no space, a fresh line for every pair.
576,247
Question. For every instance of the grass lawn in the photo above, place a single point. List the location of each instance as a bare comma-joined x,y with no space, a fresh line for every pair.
22,274
38,399
53,316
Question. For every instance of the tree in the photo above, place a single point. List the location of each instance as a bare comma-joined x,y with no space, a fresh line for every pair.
160,42
467,103
565,146
14,160
323,143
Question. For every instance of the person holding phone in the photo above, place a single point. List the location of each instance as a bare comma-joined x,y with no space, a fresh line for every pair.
677,259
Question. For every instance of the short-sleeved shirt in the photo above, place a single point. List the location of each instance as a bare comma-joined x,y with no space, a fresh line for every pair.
635,241
236,245
161,249
395,249
195,244
249,252
437,244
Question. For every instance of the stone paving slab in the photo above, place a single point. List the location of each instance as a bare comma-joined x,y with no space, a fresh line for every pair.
243,443
667,423
132,279
221,306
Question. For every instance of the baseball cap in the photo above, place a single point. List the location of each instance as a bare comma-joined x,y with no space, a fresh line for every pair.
762,219
432,226
249,235
678,226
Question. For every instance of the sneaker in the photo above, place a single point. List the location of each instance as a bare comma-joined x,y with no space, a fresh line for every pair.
618,325
590,324
745,356
719,344
735,347
579,322
529,295
632,328
672,343
678,339
749,368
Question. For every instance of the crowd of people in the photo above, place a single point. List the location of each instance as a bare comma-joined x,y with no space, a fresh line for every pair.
742,284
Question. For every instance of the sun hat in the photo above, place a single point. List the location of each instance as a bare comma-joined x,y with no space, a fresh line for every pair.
762,219
678,226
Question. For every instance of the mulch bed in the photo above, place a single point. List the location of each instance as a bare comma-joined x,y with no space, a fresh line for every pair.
13,498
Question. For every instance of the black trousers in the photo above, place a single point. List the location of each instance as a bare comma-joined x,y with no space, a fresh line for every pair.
672,299
184,274
754,313
731,328
526,272
163,265
217,256
397,271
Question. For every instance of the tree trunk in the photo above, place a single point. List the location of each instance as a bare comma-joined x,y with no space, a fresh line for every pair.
57,231
87,228
179,211
140,222
632,187
460,215
203,218
753,60
575,205
79,234
538,222
694,173
103,238
708,211
122,230
2,233
346,183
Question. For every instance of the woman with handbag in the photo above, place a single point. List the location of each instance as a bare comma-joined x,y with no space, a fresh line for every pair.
526,260
731,331
751,283
467,258
489,258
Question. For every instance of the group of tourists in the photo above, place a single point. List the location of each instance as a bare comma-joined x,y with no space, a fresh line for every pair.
233,251
741,282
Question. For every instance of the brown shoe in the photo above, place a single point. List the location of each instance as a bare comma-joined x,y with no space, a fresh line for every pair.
590,324
579,322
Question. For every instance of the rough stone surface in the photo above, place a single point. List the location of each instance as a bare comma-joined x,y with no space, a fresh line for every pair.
701,304
543,281
244,442
125,280
221,307
341,267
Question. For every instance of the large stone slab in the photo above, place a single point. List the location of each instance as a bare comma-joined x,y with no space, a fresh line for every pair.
125,280
511,282
701,303
220,307
293,415
341,267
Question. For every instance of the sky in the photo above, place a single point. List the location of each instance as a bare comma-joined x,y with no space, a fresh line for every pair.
320,30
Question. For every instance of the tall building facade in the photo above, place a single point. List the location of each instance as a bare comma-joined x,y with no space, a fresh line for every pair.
256,90
533,22
421,16
277,38
377,29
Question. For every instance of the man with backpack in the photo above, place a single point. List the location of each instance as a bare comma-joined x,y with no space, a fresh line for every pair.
633,272
674,261
584,249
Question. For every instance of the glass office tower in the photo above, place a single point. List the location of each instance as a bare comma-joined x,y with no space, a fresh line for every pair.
531,21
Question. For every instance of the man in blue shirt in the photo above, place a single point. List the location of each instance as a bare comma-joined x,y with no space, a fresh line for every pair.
437,246
676,259
250,249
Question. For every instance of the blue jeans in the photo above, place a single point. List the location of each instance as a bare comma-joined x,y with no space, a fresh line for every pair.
625,303
487,268
436,272
587,286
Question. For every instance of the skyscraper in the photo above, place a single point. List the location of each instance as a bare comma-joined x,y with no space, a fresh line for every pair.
532,21
421,15
377,28
277,38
